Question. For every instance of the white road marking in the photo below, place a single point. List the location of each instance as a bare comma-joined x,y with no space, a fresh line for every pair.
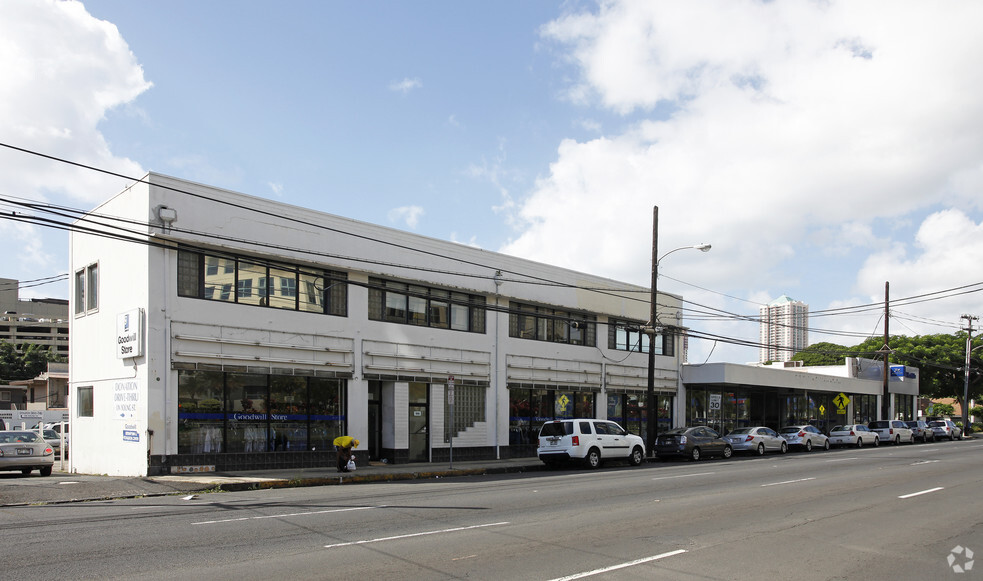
788,482
936,489
684,475
621,566
423,534
924,462
841,459
212,522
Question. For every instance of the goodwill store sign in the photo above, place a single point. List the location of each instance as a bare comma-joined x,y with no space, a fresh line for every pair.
129,334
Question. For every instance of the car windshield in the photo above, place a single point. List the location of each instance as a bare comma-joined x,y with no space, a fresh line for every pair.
840,429
677,431
18,437
936,424
557,429
878,424
741,431
789,429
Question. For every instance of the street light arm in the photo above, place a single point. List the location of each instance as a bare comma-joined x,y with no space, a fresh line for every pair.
703,247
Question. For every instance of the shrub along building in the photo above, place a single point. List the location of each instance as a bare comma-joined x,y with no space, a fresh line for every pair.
214,330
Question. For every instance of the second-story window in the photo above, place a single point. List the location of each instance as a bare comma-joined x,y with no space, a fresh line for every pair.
552,325
412,304
254,282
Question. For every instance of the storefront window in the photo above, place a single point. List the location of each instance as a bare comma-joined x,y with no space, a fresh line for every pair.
327,412
288,412
200,417
246,413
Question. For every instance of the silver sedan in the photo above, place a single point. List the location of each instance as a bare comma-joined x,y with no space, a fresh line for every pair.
25,451
757,440
853,435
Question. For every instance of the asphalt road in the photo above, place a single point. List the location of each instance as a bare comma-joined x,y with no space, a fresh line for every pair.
884,513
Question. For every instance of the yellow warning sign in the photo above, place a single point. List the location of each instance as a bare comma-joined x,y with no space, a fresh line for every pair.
841,402
562,402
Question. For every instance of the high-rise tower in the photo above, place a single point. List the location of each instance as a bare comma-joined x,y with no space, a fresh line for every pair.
784,329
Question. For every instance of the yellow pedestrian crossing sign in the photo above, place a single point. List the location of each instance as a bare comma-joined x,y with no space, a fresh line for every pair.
841,402
562,402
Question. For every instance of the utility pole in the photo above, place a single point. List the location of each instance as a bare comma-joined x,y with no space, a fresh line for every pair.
969,349
650,410
886,349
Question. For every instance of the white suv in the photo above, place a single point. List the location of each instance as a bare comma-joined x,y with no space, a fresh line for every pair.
592,441
894,431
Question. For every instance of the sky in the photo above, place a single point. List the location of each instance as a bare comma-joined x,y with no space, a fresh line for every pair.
823,148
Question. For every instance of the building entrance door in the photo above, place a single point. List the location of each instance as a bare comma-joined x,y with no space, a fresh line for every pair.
418,425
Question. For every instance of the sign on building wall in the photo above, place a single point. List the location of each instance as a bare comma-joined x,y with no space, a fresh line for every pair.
129,334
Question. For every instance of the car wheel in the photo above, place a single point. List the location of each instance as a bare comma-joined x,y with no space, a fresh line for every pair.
593,458
950,437
26,471
784,447
46,471
860,442
728,452
695,454
826,445
636,456
808,445
761,450
897,440
912,441
877,441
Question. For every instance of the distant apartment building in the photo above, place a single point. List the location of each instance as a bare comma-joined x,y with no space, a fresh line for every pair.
784,329
38,321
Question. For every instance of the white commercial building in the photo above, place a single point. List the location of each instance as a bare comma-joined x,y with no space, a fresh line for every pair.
784,329
214,330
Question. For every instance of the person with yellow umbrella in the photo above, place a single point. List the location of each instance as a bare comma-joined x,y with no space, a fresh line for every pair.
344,446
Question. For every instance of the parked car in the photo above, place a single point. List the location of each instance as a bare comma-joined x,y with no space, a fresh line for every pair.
53,440
25,451
757,440
894,431
946,429
853,435
588,440
806,437
695,442
923,431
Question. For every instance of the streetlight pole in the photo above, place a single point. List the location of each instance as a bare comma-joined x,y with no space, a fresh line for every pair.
653,329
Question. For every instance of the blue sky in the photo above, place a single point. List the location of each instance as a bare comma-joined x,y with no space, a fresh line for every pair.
821,148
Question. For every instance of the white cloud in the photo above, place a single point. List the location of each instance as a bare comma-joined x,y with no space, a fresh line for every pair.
405,86
790,121
410,215
63,72
276,188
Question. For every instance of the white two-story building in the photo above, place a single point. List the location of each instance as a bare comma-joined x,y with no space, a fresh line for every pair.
215,330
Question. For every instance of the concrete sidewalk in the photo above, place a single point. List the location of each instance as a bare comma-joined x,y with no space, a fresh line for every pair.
61,487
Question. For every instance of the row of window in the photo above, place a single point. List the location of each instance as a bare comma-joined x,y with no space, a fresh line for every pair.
552,325
409,304
250,282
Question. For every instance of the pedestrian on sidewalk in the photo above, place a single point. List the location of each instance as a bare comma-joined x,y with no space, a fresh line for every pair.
344,445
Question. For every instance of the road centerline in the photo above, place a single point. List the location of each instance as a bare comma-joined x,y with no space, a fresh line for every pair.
620,566
411,535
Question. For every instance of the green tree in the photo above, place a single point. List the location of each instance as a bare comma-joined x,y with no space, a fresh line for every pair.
27,364
941,409
939,358
822,354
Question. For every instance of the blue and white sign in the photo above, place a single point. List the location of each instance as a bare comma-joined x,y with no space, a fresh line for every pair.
129,334
131,436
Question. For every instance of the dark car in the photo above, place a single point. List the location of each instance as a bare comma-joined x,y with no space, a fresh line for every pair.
694,443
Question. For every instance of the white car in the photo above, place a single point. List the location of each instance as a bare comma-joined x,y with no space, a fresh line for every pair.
894,431
588,440
853,435
757,440
806,437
